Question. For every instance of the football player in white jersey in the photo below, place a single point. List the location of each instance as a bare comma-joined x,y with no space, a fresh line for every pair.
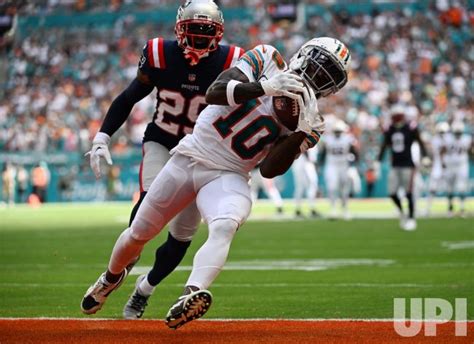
437,182
338,152
456,160
211,165
305,178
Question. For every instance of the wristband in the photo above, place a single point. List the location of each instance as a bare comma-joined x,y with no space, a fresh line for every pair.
230,92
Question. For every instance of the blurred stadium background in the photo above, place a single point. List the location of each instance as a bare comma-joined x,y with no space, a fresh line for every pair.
62,62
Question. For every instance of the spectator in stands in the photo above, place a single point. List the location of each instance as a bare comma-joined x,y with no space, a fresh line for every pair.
40,177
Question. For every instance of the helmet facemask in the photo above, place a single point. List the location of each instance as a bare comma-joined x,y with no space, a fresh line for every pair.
199,35
324,63
322,72
199,29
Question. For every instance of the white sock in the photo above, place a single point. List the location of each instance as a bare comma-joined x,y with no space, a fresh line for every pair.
145,288
211,257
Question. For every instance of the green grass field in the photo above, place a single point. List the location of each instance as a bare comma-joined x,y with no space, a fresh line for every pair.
276,269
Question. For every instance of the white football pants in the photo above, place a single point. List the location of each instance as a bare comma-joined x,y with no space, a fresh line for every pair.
222,197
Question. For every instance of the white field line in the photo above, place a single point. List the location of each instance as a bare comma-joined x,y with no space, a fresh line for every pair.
458,245
236,319
287,264
250,285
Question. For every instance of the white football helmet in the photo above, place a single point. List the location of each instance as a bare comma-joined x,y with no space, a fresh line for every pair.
340,126
324,63
458,128
442,128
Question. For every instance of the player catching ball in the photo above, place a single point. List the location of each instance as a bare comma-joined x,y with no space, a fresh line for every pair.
211,166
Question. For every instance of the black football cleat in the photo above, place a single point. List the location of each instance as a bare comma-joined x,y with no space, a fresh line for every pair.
188,307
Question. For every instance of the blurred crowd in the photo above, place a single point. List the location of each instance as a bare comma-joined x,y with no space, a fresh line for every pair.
59,82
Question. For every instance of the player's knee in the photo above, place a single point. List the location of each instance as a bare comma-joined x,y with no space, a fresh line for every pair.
145,230
182,232
129,236
223,229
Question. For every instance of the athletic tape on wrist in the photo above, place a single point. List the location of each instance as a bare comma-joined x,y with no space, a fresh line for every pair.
230,92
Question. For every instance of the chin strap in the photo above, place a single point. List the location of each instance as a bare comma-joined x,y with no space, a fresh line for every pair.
194,56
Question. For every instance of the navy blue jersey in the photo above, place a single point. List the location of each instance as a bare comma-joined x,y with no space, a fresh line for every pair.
181,88
400,140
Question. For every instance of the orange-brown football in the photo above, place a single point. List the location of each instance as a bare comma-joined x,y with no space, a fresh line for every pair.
287,111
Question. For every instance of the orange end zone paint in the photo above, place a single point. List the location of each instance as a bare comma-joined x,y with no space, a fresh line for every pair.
228,332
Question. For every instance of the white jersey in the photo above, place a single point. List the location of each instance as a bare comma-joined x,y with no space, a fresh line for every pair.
457,150
338,149
237,138
438,143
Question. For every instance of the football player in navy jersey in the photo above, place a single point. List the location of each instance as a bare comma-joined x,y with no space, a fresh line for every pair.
181,70
399,138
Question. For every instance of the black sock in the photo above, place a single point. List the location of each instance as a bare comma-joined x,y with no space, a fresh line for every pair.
397,201
450,202
167,258
112,278
411,205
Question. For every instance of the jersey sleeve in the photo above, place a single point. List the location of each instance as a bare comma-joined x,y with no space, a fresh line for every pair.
152,56
261,60
233,56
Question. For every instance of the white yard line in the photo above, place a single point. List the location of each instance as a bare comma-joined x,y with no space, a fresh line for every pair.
457,245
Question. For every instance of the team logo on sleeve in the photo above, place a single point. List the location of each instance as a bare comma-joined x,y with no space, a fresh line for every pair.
142,61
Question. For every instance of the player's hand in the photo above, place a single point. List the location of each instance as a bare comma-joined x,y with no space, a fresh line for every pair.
100,149
426,162
309,118
283,84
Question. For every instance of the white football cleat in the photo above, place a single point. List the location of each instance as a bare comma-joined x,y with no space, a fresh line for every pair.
410,225
97,293
188,307
402,221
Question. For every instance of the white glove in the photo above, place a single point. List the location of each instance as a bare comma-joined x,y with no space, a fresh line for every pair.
283,84
310,119
100,149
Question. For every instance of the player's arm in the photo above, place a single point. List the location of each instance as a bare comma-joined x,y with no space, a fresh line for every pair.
353,150
424,152
121,107
248,80
282,155
244,90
